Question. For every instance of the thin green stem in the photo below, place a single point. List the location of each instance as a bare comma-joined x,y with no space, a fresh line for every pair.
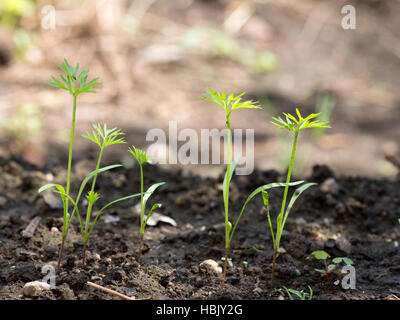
226,201
141,201
97,168
90,204
71,147
279,227
142,221
227,185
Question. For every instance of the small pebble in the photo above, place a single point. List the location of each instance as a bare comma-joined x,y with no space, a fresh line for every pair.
210,264
54,230
258,291
330,186
343,244
35,288
96,257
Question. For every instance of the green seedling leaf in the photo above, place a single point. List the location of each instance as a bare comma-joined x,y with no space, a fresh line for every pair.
140,155
64,196
104,137
295,196
228,226
296,125
228,178
256,192
288,293
299,294
47,186
266,206
154,207
331,267
70,79
320,255
83,185
337,260
92,197
149,192
346,260
310,296
110,204
229,103
91,175
322,271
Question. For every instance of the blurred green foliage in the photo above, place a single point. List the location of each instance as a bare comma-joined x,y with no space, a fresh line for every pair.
25,124
12,10
324,105
219,44
10,13
23,40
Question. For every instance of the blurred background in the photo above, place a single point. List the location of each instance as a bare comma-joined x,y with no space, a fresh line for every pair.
157,57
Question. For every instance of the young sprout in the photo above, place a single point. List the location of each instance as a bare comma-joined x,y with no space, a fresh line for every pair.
300,294
293,125
322,255
141,157
103,137
75,82
229,104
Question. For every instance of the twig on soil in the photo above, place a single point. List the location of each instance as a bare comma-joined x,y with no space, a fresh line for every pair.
31,228
94,285
392,297
393,160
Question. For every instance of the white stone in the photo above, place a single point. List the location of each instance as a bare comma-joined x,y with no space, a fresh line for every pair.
213,265
35,288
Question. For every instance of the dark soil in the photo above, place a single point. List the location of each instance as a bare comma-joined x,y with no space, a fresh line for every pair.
345,216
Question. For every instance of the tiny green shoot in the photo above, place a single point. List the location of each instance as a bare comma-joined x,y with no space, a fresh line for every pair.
322,255
300,294
141,157
295,125
75,82
103,138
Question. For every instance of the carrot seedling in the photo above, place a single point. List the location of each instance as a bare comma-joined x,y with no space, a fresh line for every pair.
75,82
141,157
322,255
229,104
300,294
103,137
293,125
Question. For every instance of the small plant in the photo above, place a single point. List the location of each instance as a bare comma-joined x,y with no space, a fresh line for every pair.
141,157
293,125
229,104
75,83
300,294
322,255
104,138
